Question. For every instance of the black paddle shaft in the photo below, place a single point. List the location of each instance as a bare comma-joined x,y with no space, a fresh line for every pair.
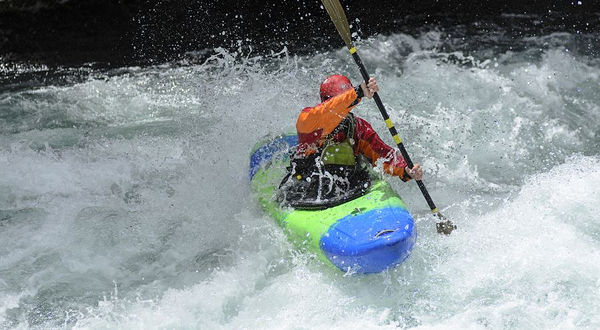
393,131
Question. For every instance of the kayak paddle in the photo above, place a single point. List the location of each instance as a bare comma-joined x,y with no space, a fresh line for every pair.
336,12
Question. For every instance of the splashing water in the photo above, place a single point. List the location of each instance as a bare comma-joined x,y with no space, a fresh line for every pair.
125,203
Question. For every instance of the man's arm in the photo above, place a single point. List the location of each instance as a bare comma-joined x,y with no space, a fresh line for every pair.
326,116
371,145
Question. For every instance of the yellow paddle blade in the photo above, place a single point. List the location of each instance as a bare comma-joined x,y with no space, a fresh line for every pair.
336,12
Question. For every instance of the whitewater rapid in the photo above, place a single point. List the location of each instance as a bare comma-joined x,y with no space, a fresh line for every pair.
125,201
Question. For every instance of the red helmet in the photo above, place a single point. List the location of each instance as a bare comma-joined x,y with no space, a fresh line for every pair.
334,85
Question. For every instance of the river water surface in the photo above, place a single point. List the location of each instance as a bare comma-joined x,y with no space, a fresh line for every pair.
125,201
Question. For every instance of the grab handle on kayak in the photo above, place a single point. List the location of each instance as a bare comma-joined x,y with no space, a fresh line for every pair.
384,232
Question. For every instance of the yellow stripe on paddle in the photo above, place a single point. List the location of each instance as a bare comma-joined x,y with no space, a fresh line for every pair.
389,123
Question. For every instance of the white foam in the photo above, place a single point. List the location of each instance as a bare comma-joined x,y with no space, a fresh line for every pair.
146,200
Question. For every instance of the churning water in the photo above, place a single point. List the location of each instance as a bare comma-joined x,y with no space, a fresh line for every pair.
125,202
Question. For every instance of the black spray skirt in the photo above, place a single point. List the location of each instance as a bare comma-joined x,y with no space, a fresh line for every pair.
319,187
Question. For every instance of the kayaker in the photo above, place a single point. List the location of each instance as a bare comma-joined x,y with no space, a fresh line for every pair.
327,167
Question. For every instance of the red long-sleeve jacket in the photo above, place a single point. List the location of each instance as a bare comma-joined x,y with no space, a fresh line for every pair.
315,123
